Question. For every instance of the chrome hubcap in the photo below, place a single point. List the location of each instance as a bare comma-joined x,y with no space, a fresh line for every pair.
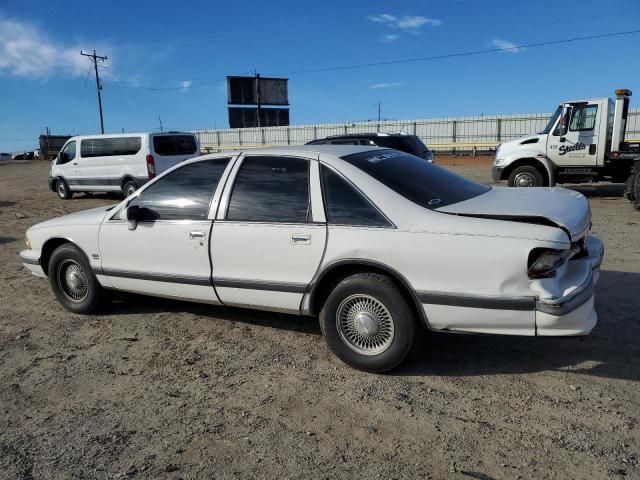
365,325
131,190
72,280
61,189
525,180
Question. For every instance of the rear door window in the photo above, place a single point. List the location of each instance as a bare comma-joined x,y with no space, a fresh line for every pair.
271,189
165,145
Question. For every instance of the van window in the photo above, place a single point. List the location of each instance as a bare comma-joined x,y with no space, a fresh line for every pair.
174,144
109,147
68,153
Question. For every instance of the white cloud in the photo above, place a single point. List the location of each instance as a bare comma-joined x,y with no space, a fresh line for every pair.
386,85
508,47
26,52
407,22
390,37
186,84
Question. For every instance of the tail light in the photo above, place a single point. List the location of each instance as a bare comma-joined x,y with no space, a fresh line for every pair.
544,262
151,166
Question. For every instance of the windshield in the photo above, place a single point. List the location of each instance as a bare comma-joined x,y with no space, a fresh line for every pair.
552,120
424,183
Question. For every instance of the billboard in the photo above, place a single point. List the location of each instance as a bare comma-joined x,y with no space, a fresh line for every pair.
240,117
257,90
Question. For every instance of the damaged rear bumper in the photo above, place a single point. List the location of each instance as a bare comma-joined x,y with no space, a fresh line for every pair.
573,312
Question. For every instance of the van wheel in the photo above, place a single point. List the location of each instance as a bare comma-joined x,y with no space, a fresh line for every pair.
129,188
73,282
367,322
526,176
62,189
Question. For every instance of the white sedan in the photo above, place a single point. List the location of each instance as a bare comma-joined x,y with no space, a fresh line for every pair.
375,242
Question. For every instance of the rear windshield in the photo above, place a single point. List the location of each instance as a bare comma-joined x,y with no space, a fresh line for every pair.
174,144
406,143
424,183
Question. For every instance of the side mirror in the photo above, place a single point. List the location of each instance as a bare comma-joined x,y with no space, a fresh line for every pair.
565,117
133,215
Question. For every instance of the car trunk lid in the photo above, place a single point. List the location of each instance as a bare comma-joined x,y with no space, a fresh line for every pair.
559,207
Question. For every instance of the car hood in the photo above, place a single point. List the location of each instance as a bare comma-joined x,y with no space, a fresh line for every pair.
93,216
559,207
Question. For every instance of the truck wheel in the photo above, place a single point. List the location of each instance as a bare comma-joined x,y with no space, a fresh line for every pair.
635,200
367,322
62,189
526,176
129,188
73,282
629,187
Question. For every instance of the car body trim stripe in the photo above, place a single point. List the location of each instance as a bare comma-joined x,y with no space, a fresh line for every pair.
478,301
155,277
260,285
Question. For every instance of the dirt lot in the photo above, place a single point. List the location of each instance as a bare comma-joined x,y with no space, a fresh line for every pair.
163,389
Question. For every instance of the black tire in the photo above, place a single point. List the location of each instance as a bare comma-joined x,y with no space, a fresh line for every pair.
629,187
129,187
377,290
526,176
635,196
62,189
73,282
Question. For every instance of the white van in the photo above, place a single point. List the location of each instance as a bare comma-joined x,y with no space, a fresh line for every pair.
117,163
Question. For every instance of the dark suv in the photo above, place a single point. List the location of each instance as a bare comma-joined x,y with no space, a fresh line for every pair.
398,141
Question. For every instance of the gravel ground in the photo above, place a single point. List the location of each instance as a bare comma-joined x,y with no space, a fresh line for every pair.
164,389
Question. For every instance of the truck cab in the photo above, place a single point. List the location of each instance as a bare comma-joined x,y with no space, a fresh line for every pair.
582,142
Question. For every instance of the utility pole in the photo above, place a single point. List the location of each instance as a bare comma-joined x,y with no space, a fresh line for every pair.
160,120
258,97
378,110
94,58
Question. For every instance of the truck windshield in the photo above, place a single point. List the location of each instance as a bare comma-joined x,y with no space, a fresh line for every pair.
424,183
552,120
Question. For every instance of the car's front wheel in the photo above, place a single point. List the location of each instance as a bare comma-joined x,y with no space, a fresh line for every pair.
62,189
367,322
73,282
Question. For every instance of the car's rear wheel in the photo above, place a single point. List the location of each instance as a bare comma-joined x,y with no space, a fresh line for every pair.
129,188
526,176
62,189
73,282
367,322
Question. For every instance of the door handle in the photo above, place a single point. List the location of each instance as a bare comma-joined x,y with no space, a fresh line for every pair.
75,163
301,238
196,234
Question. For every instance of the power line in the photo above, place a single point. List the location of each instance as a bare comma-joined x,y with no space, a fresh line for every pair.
94,58
457,54
217,80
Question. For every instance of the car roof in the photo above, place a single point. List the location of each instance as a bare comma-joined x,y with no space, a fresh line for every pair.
131,134
366,135
311,151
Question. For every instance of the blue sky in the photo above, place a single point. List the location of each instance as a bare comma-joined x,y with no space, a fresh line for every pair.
167,58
